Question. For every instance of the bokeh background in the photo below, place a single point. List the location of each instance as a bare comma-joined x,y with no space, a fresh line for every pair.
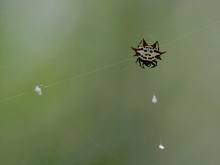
96,104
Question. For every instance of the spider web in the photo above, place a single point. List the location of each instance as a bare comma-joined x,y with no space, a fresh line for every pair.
42,142
111,65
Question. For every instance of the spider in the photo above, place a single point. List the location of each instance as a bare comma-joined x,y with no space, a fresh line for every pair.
148,54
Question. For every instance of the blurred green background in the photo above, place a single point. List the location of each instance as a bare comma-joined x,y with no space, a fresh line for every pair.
96,105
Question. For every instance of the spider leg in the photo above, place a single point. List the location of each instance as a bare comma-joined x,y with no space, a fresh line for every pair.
156,45
154,63
147,63
139,61
139,44
143,65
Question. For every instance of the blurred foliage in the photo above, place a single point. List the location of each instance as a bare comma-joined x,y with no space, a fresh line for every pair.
96,105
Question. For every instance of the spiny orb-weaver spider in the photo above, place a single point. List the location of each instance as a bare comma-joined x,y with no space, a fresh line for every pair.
148,54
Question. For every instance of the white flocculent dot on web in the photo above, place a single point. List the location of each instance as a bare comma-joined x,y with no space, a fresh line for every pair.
37,89
154,99
161,146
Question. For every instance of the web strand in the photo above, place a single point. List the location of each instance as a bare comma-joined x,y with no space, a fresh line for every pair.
111,65
68,79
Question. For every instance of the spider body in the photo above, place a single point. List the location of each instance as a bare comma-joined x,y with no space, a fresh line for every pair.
148,54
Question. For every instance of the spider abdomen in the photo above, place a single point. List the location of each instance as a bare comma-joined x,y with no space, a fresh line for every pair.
148,54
